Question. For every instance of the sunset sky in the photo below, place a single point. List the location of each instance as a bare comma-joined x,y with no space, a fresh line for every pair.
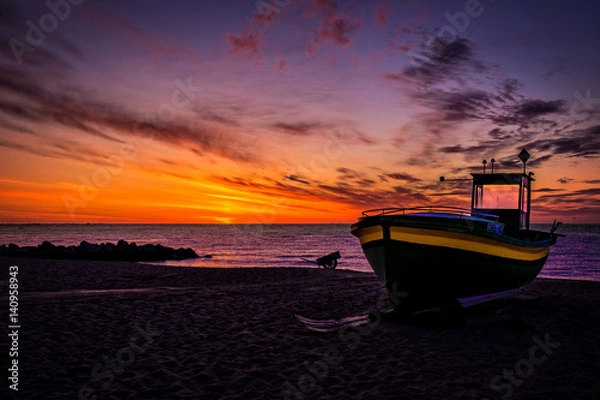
292,111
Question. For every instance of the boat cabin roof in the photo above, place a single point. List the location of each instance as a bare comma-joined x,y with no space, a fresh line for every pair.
500,179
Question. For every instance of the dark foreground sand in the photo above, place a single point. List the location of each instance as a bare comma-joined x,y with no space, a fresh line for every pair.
231,334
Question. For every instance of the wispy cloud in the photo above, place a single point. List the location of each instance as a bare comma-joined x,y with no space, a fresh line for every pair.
246,43
564,180
574,143
63,150
584,195
297,129
29,100
399,176
457,88
295,178
249,41
436,62
335,26
382,15
356,189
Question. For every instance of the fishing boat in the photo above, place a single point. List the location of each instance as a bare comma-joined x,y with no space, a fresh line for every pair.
430,256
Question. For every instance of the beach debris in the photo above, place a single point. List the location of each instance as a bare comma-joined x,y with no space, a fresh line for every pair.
332,325
122,251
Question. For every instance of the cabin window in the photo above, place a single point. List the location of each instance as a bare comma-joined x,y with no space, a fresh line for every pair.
524,198
497,197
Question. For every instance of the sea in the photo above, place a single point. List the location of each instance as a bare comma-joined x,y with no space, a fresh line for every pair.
575,256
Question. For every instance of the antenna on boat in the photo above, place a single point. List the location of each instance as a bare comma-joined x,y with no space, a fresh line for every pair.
524,156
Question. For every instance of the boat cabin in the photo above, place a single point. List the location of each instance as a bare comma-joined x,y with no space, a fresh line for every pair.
506,195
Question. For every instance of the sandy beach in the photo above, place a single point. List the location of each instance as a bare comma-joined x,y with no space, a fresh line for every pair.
110,330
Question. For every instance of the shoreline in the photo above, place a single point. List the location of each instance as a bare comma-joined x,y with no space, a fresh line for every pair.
151,274
230,333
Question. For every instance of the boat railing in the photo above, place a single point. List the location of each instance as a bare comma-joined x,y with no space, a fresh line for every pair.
455,211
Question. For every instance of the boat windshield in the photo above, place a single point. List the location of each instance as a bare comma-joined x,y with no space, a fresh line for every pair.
497,197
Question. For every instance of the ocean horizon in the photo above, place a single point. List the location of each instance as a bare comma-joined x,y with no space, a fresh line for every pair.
575,256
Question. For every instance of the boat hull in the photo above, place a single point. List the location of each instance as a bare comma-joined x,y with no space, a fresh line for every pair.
449,259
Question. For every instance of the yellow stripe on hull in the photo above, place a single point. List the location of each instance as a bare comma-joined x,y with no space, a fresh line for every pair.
454,240
370,234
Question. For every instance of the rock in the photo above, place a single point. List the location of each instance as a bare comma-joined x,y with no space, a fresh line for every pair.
147,248
24,250
47,246
122,251
87,247
64,253
46,250
111,247
182,254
